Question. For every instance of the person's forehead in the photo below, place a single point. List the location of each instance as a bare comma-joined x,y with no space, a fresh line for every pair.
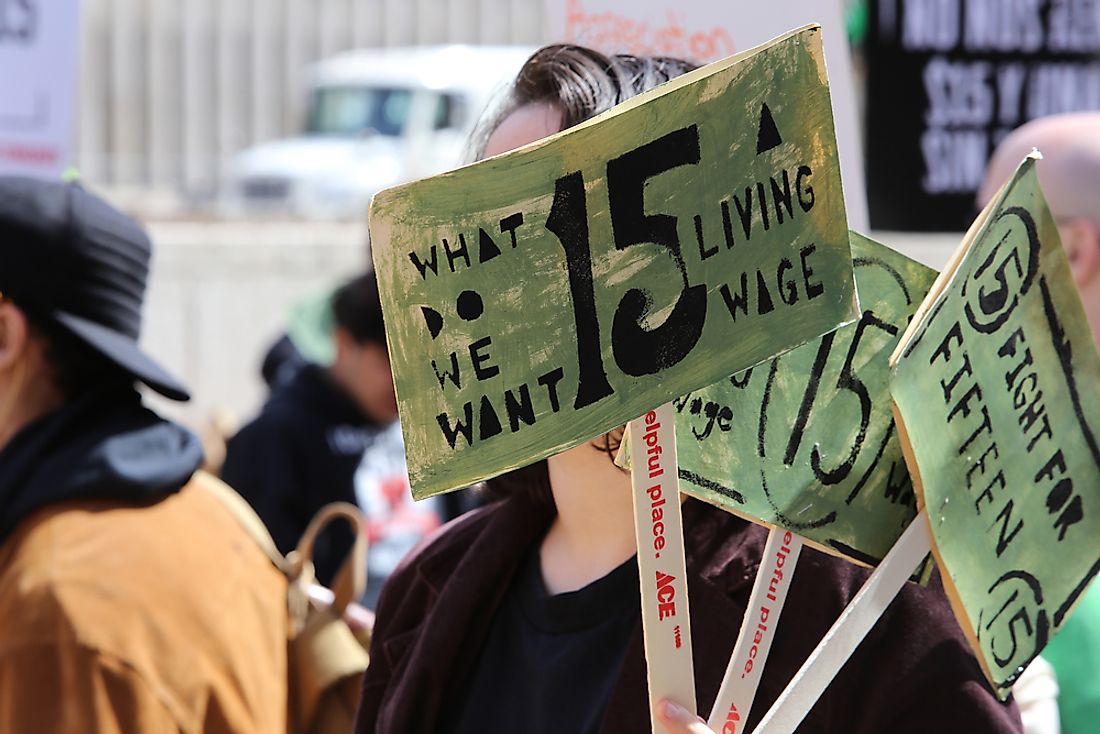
525,125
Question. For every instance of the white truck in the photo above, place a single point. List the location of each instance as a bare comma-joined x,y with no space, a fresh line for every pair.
375,118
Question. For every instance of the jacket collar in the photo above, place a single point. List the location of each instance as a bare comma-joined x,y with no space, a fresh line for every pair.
468,594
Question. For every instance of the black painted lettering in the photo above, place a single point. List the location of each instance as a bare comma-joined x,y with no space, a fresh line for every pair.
460,253
453,375
519,409
460,428
984,427
1004,535
639,351
704,253
781,198
487,247
944,349
949,387
813,289
987,493
762,202
510,224
432,263
550,381
568,221
745,212
764,302
805,192
478,359
727,224
488,420
788,291
739,301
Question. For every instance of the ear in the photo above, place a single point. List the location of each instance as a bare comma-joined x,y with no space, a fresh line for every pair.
1081,240
14,335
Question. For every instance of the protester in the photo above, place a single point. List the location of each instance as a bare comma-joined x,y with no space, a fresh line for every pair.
524,616
328,435
131,599
1070,177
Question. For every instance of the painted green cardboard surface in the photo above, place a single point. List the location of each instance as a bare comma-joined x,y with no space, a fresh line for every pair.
540,298
807,441
997,392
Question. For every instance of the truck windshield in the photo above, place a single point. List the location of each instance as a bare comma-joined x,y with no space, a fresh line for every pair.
352,111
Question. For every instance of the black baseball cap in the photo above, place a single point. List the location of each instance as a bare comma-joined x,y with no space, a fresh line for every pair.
69,256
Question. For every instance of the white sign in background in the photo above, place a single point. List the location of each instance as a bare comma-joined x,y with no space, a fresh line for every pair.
704,31
38,57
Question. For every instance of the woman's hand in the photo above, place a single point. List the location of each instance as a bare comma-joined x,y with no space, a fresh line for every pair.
678,720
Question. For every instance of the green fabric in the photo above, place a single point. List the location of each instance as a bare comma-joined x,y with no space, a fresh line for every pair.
1075,655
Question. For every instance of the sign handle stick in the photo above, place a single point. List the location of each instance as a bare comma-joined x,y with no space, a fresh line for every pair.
769,594
666,624
854,623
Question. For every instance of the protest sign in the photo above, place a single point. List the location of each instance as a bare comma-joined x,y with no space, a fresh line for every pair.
948,79
38,53
540,298
704,31
995,387
807,441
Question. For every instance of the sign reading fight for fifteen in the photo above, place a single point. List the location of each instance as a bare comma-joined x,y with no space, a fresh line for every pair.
540,298
995,388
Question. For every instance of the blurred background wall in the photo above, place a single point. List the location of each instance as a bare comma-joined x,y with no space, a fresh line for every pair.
170,89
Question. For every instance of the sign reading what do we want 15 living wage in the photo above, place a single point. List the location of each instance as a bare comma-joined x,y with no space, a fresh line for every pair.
540,298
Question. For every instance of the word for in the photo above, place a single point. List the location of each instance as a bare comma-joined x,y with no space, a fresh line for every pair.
18,20
775,587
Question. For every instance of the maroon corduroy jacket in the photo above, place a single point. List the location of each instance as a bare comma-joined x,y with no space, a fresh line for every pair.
914,674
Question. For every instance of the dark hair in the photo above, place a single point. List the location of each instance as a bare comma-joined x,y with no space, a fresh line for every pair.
357,307
581,83
75,366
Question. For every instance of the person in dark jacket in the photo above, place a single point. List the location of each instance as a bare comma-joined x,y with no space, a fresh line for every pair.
330,434
525,616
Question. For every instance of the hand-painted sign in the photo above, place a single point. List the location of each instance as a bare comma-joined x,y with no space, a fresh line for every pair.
995,387
540,298
807,441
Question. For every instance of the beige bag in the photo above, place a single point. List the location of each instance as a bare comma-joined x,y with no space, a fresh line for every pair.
326,659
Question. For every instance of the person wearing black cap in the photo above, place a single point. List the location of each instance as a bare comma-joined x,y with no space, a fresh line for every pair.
131,600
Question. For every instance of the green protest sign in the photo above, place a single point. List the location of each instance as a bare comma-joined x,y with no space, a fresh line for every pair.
995,386
540,298
807,441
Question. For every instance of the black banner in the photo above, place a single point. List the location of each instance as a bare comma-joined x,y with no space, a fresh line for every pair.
948,79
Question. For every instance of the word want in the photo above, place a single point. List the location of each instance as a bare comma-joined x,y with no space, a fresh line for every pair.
775,590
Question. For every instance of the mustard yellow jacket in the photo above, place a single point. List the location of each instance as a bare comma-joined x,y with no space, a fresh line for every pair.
162,617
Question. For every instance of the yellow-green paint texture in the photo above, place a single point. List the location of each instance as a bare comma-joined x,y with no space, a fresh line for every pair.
538,299
996,387
807,442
